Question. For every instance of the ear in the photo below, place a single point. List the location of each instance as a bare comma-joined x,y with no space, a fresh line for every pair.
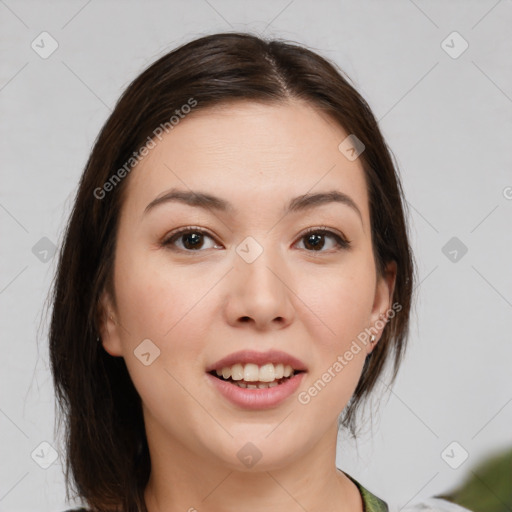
109,327
384,290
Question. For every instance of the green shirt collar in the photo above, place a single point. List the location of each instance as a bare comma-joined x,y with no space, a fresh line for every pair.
370,502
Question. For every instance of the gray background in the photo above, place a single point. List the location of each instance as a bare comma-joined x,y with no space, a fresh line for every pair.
448,122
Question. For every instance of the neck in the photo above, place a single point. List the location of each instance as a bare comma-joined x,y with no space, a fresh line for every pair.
184,480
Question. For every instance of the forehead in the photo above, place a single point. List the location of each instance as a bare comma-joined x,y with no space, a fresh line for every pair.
247,152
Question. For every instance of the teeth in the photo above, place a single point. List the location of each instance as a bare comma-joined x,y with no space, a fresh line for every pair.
237,372
266,372
253,373
242,384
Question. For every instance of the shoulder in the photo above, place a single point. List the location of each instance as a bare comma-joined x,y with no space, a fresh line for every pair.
374,504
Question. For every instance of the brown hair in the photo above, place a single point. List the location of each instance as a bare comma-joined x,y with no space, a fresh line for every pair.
107,458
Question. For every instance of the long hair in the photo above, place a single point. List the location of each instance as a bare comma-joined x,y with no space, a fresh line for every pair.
107,457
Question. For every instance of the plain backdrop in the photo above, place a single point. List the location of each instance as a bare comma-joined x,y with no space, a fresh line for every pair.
438,76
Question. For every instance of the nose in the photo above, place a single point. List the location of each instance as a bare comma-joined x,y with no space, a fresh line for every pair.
260,293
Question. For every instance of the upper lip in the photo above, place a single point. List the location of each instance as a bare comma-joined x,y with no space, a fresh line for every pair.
259,358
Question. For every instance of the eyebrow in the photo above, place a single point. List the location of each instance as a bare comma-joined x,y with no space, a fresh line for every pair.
208,201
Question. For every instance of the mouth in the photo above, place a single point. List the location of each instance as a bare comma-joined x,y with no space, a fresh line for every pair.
257,380
252,387
254,376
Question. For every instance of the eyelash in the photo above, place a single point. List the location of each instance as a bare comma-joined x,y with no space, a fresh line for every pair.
341,242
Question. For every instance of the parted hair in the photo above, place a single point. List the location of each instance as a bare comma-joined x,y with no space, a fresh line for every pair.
99,409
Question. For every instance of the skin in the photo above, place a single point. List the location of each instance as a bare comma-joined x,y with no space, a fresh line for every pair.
201,305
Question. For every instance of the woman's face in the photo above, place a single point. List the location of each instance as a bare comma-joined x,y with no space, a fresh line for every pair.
246,277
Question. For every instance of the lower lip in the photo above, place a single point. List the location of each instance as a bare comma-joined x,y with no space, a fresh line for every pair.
257,398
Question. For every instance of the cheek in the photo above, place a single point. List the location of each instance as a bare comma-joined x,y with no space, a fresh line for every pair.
332,380
341,301
162,306
165,304
153,297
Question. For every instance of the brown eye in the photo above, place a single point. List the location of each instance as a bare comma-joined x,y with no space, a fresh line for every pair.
315,240
191,239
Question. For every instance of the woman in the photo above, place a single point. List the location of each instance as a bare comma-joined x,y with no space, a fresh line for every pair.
235,277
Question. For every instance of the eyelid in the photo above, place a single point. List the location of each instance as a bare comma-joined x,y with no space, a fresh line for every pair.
186,229
327,230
